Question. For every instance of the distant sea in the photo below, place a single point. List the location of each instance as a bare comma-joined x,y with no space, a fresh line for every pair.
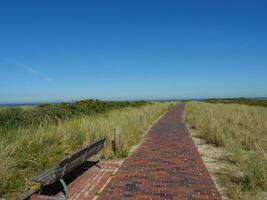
25,104
160,100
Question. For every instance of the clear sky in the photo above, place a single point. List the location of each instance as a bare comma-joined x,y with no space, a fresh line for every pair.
56,50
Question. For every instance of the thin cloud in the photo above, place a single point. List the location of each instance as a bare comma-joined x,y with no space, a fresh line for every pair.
31,70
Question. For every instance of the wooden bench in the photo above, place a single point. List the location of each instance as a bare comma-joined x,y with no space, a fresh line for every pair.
66,165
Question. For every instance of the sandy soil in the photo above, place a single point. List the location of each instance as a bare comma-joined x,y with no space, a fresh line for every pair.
215,159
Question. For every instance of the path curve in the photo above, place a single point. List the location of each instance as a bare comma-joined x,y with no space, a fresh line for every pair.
166,165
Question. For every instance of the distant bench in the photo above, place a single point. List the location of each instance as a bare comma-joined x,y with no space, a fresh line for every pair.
66,165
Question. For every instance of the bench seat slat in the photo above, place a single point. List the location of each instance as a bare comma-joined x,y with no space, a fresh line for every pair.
70,162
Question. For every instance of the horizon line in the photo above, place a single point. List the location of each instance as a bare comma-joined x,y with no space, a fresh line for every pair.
103,99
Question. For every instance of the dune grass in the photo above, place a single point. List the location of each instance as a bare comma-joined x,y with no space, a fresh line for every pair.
242,130
23,152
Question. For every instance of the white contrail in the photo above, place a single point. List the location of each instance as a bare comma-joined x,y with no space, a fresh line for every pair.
31,70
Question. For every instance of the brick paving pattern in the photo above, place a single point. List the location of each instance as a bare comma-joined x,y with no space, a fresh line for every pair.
166,165
88,184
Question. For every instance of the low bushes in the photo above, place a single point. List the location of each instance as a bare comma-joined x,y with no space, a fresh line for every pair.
47,113
244,101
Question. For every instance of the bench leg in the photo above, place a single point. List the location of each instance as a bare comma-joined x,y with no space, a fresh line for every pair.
65,188
41,189
98,160
98,157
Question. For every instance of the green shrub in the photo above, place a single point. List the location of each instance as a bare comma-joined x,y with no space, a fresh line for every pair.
245,101
53,113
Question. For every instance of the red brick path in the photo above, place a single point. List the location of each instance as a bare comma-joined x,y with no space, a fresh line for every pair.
87,184
165,166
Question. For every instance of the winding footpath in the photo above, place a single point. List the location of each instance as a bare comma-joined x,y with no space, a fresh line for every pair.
166,165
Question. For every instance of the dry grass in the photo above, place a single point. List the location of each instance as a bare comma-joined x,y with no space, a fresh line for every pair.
243,131
26,151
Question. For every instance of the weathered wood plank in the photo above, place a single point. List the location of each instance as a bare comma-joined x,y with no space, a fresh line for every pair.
66,165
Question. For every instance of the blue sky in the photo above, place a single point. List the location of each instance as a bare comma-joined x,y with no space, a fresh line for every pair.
132,49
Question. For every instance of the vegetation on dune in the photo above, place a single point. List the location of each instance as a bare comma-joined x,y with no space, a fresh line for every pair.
245,101
37,147
243,131
14,117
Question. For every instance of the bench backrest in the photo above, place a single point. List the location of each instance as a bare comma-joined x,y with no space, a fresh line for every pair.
69,163
74,160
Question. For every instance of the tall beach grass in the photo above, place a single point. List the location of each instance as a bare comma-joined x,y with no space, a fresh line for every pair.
242,130
26,151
